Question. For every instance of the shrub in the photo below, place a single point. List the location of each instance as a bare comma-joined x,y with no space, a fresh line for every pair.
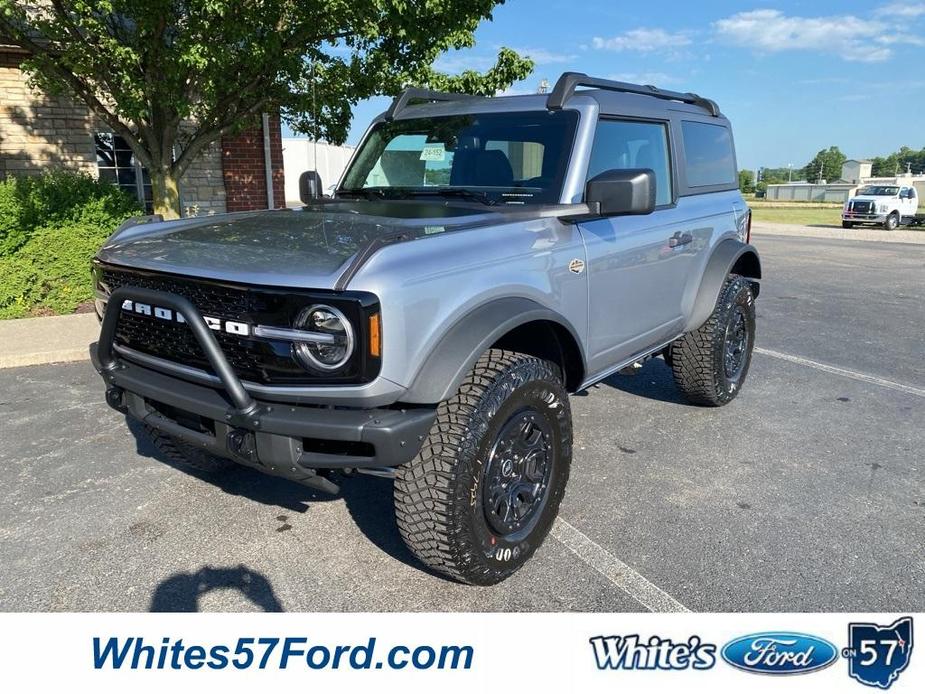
50,228
57,197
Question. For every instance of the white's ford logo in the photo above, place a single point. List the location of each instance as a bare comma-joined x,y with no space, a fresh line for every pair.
166,314
779,653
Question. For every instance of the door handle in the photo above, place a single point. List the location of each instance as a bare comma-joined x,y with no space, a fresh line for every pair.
679,239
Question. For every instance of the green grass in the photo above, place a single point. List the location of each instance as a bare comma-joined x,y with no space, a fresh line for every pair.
798,214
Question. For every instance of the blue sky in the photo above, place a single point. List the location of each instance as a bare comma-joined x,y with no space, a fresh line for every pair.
794,77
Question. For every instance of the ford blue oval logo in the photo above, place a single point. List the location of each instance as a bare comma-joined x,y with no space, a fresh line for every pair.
779,653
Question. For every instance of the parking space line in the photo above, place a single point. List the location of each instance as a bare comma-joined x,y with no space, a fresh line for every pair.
847,373
622,576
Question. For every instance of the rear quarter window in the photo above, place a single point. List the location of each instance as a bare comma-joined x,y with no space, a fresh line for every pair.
709,156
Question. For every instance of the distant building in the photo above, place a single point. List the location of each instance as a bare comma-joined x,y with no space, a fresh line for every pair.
854,174
299,156
855,171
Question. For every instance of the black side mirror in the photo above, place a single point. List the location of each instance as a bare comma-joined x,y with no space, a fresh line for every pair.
621,192
310,187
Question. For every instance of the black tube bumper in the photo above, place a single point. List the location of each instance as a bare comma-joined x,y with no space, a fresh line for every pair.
291,441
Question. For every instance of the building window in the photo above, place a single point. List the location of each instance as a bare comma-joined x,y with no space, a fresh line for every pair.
117,164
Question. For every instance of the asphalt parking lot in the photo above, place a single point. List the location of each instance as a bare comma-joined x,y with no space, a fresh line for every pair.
807,493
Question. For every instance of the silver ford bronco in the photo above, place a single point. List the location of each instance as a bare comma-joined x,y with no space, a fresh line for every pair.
480,259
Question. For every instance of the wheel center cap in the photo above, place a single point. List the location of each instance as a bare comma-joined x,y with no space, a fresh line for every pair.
507,468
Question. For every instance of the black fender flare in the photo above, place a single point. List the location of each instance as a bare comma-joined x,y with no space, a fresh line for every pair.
730,254
470,337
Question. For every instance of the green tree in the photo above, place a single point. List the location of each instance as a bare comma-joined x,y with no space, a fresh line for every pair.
172,77
779,175
898,162
828,162
747,181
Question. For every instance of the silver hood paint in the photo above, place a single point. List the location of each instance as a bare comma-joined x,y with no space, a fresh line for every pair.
297,247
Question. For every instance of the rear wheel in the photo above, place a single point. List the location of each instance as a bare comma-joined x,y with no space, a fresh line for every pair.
483,492
710,364
892,221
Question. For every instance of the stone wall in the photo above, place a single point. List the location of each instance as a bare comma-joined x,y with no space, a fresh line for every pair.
37,131
202,188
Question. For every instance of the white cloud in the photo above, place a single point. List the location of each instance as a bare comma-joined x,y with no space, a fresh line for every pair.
902,9
654,78
460,62
542,56
643,41
849,37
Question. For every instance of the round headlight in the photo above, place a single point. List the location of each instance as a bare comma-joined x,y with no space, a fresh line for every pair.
336,347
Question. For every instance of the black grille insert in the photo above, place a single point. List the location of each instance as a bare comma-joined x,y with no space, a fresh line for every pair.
256,360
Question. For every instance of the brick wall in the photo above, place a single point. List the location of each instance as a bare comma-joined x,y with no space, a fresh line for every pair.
243,165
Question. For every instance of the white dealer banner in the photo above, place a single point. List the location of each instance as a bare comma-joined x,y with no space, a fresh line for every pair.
463,652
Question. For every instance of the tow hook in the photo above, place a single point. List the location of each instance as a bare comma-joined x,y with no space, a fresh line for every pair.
242,443
115,398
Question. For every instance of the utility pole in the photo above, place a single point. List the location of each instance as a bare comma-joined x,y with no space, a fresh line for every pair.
790,173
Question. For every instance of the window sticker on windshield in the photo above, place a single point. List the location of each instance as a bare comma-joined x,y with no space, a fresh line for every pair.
433,153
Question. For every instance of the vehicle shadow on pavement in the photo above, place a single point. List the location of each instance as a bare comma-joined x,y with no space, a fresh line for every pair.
181,592
368,499
652,381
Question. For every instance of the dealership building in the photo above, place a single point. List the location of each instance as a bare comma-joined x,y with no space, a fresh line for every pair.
855,173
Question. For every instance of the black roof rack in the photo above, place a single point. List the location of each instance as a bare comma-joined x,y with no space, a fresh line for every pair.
406,97
570,81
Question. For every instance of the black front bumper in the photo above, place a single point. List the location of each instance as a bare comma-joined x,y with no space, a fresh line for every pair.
291,441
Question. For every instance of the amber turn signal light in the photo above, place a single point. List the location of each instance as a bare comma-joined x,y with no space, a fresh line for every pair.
375,336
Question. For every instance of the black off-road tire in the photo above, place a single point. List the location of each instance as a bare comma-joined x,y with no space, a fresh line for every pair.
186,455
892,221
847,225
441,495
698,360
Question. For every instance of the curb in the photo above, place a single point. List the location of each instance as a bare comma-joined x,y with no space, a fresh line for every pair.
48,340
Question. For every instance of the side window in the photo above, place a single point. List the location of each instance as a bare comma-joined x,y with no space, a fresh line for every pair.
708,153
633,145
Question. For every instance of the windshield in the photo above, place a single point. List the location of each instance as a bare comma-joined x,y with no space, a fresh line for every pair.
495,158
879,190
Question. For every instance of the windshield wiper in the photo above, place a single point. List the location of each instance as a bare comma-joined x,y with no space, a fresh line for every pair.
368,193
464,193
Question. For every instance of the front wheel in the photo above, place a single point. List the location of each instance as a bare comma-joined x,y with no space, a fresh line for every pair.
892,221
847,225
710,364
481,495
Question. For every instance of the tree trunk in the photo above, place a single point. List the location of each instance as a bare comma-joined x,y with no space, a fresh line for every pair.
165,190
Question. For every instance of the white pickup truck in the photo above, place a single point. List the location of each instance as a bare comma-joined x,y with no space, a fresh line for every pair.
888,205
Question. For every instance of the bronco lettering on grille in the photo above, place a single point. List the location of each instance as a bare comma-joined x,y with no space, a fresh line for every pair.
217,324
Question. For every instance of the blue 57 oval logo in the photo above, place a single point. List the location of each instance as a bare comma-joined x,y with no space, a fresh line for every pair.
779,653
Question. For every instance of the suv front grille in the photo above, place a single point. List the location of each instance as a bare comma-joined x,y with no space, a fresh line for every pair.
256,360
862,206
